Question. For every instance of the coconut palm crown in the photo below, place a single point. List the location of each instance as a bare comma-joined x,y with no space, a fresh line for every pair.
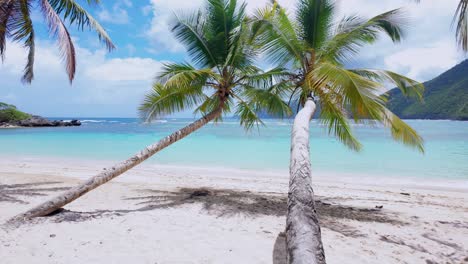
317,49
222,75
16,24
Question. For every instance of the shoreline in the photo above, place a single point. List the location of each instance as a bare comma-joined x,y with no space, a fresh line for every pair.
147,172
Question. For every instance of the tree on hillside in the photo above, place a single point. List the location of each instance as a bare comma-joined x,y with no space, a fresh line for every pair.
221,79
16,24
316,51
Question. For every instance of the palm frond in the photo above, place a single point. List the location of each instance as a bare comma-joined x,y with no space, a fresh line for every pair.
58,30
223,17
183,74
265,79
315,18
461,18
163,100
28,74
247,113
277,36
407,86
359,93
401,131
77,15
335,117
268,100
15,19
241,51
189,31
8,9
353,32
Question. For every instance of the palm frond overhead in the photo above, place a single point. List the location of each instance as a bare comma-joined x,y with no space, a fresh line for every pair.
78,16
354,32
461,20
58,30
16,24
315,52
315,18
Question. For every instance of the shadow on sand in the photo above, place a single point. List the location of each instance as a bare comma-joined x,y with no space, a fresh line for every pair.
225,203
13,193
220,202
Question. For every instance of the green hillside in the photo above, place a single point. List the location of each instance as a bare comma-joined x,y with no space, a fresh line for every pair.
445,97
9,113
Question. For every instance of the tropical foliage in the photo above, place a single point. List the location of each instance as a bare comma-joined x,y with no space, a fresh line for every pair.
9,113
222,73
16,24
317,51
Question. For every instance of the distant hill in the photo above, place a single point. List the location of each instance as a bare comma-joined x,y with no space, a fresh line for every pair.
9,113
445,97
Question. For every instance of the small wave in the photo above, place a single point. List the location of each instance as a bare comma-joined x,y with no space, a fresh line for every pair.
155,121
93,121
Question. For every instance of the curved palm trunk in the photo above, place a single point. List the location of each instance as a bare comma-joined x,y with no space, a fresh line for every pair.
110,173
303,236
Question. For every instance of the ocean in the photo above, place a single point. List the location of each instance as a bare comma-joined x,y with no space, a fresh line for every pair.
228,145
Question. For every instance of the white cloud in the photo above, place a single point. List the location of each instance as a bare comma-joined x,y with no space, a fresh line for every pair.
101,83
118,15
163,12
126,69
424,62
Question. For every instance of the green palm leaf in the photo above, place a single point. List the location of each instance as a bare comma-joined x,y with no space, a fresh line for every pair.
78,16
163,100
315,18
353,32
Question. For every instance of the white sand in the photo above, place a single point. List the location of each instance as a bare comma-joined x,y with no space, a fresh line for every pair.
428,226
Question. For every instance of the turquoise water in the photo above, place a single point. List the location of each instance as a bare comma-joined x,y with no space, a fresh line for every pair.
228,145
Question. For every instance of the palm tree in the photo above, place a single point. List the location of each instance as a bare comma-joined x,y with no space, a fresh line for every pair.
17,25
223,78
316,52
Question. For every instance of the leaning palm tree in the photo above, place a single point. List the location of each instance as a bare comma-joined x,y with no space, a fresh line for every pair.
316,51
222,78
16,24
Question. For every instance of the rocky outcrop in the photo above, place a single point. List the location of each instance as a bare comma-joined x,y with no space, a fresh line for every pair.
37,121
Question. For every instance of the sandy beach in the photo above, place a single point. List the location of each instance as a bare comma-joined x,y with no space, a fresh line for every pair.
162,214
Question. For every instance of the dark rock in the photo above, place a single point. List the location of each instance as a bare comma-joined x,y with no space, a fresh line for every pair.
75,122
38,121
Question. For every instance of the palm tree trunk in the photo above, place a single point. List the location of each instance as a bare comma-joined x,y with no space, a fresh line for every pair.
303,236
112,172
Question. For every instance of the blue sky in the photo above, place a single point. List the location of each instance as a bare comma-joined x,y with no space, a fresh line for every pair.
113,84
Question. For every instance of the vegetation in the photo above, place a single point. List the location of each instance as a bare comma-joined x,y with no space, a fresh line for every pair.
445,97
17,25
316,52
223,75
9,113
224,78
